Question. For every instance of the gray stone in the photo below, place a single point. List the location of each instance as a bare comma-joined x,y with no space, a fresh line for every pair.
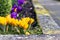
54,8
49,26
30,37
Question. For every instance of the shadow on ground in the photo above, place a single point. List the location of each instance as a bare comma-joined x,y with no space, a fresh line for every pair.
57,0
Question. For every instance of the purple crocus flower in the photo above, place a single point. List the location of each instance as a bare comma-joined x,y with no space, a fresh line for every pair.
19,8
16,8
13,8
14,15
20,2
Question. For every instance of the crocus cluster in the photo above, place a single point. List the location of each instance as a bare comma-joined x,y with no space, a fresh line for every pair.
16,8
22,23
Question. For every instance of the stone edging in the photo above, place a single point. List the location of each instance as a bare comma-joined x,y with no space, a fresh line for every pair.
48,25
30,37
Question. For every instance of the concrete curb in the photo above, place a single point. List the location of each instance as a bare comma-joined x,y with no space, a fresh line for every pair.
48,25
30,37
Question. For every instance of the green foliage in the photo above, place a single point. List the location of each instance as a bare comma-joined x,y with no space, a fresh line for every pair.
35,30
14,2
5,7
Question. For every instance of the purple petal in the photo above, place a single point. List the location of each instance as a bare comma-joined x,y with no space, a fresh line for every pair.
13,15
19,8
14,6
20,2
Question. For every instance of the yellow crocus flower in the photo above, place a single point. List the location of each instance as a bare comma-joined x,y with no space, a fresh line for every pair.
27,19
20,23
14,22
3,21
8,18
25,26
27,33
31,21
17,22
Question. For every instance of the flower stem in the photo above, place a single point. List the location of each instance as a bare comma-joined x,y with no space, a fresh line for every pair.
17,30
4,28
7,28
